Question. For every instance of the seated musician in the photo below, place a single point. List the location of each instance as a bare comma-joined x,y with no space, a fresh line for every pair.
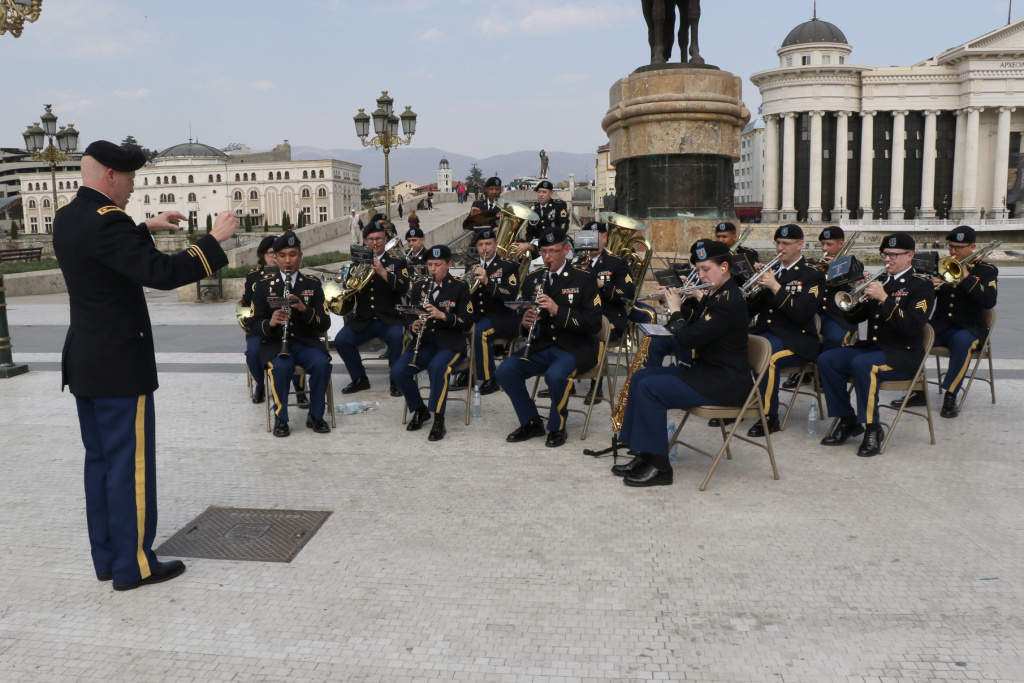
264,257
714,324
959,318
498,283
446,303
492,192
416,252
563,341
660,347
307,319
374,314
896,307
785,307
552,213
726,233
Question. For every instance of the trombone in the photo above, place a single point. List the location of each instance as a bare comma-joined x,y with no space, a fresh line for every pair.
952,271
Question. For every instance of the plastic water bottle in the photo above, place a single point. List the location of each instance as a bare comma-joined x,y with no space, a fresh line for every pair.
674,450
812,419
354,407
423,378
477,409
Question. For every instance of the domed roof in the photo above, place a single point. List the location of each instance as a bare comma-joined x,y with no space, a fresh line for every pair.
191,149
582,194
815,31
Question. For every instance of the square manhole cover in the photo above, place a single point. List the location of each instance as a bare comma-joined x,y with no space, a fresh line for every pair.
245,534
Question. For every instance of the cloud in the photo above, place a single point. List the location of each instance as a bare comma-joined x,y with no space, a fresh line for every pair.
493,25
421,75
131,94
80,105
93,29
262,85
431,35
559,17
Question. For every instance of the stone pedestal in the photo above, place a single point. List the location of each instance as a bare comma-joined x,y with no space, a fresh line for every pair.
674,134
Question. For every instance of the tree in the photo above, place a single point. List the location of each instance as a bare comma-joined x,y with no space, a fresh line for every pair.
286,221
130,143
475,180
14,230
209,224
302,221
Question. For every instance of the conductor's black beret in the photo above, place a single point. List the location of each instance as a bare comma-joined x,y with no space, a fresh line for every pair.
116,157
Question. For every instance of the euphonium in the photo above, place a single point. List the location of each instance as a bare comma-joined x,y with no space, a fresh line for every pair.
513,215
847,300
750,287
952,271
625,236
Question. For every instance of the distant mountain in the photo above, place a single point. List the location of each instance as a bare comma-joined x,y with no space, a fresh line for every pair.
420,165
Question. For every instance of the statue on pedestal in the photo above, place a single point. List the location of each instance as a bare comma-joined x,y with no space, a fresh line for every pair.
543,165
661,24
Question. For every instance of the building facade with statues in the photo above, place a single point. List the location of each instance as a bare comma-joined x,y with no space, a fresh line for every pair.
939,139
199,180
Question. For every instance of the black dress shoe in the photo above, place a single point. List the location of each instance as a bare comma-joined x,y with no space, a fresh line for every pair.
790,382
281,427
842,432
590,394
356,385
916,400
318,426
383,356
460,381
259,395
531,429
949,405
555,439
631,467
395,391
162,571
106,576
302,398
489,386
419,418
649,475
872,441
715,422
546,393
438,431
758,429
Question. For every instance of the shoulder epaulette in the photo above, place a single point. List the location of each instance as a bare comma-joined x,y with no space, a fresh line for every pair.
582,270
535,270
103,211
254,270
923,276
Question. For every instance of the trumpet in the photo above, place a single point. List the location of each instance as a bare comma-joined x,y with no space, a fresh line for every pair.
952,271
824,263
533,326
846,301
751,287
682,290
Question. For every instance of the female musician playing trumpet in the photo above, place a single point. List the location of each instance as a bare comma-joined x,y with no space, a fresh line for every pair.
713,323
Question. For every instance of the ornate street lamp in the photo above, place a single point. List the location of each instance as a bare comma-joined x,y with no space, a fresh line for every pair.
67,143
14,14
386,136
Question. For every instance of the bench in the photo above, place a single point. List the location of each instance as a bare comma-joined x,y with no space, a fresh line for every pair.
14,255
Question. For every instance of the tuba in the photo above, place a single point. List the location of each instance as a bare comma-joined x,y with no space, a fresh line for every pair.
625,234
513,215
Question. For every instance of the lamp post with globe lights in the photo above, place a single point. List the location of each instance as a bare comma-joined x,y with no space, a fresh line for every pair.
37,136
385,128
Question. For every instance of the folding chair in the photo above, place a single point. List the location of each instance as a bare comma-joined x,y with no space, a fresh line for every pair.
467,365
984,352
759,353
809,368
597,372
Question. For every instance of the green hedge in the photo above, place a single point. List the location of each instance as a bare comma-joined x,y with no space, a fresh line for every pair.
307,262
29,266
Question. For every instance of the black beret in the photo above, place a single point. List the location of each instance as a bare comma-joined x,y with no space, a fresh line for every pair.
378,217
116,157
700,243
725,227
898,240
962,234
371,228
594,225
414,232
493,181
486,234
550,236
441,251
266,244
790,231
708,250
545,185
832,232
287,241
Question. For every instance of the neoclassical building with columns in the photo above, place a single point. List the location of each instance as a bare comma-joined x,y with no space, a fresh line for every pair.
939,139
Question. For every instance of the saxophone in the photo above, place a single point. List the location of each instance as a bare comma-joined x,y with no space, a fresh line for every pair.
619,407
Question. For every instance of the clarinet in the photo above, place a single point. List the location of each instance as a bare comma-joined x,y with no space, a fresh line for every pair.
286,275
533,326
419,335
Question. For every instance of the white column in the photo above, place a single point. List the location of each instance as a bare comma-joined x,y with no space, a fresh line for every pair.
956,202
928,166
1002,162
789,168
899,158
814,199
867,157
970,194
841,203
770,212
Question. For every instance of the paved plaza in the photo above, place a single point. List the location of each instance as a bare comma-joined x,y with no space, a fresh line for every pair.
472,559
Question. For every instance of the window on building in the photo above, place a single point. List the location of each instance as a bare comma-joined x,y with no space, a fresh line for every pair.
789,61
253,195
254,211
165,180
48,224
145,181
305,175
158,180
60,185
287,176
842,59
305,192
805,60
323,214
270,176
279,175
191,179
245,177
210,179
145,200
194,217
33,223
238,177
37,186
31,203
321,174
306,212
826,59
46,202
238,195
191,196
174,180
218,177
76,184
322,192
149,215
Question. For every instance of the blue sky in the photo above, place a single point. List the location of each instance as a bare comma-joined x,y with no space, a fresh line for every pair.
485,77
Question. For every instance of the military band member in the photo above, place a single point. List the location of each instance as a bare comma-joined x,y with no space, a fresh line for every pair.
492,192
446,302
108,362
374,314
494,320
308,319
713,323
264,257
896,308
661,347
417,253
726,233
552,213
785,308
959,318
564,344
